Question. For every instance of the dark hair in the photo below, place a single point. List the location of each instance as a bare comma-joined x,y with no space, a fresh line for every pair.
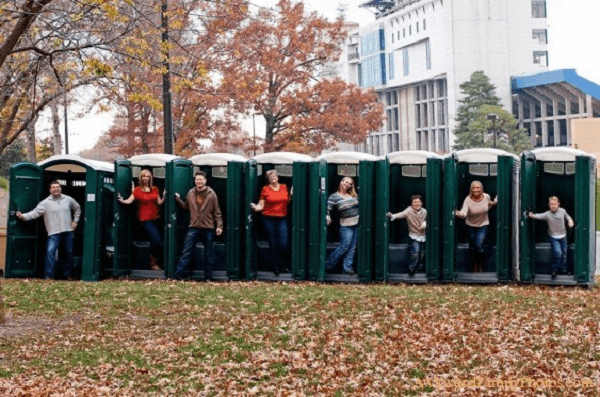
54,182
416,196
201,173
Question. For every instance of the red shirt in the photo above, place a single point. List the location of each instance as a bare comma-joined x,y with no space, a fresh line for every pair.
147,203
275,201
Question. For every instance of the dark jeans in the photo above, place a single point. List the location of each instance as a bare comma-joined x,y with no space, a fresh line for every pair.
63,240
207,238
417,255
477,238
559,254
277,233
154,237
346,248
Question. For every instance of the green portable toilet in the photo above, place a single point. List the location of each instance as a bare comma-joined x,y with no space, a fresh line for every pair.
90,183
570,175
326,173
292,169
132,248
498,171
225,175
399,176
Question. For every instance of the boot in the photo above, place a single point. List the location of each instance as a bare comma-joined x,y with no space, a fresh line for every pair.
154,263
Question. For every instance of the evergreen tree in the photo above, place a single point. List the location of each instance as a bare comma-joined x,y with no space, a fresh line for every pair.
15,153
475,129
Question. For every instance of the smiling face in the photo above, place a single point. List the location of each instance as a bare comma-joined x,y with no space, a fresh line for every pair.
476,190
200,182
145,178
55,190
416,204
273,177
346,184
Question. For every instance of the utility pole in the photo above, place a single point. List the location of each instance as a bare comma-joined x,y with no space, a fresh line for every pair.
254,134
167,114
66,127
493,117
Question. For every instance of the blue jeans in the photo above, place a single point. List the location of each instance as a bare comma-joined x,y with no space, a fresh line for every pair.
346,248
559,254
207,238
277,233
154,236
417,255
477,238
65,241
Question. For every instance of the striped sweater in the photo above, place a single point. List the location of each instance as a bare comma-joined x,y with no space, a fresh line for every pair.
347,207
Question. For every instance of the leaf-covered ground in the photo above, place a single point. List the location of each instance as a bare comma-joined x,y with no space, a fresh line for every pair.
176,338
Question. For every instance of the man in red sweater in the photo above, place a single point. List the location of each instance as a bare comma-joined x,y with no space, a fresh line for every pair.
205,221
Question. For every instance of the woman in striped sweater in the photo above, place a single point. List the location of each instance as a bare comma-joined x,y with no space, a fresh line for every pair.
345,201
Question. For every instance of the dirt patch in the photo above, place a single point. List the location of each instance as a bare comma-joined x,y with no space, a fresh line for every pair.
21,326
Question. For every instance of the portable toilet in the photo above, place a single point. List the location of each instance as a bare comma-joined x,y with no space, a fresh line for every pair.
90,183
399,176
498,171
293,169
132,248
326,173
570,175
225,175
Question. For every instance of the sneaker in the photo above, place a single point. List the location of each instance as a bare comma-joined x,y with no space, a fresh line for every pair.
350,272
411,272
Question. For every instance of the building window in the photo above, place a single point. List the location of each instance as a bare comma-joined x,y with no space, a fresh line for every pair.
392,74
419,141
389,143
392,37
441,88
409,30
417,26
427,55
540,58
388,98
398,35
418,115
424,26
395,97
442,140
541,35
403,32
405,59
396,142
396,121
441,113
389,120
538,8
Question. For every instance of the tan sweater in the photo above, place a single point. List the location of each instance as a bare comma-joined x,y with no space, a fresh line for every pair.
477,212
414,221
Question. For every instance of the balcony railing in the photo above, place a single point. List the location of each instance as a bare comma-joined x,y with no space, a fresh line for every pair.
352,57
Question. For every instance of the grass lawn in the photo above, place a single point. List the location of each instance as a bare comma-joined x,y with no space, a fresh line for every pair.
187,338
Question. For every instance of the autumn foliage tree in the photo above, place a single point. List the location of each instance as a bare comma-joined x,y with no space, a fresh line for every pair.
278,57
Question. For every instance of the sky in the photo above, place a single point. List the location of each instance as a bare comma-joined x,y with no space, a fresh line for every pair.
573,27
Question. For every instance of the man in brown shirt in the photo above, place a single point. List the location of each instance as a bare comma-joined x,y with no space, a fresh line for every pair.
205,216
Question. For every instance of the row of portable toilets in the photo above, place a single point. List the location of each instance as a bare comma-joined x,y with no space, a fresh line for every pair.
110,243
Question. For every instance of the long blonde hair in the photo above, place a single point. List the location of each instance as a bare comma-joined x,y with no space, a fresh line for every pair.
352,189
142,173
473,185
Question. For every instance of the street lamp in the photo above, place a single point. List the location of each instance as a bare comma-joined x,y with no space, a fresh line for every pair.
493,117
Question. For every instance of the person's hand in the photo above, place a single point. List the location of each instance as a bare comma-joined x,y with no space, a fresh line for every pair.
20,216
530,214
328,221
177,196
219,231
390,216
571,223
253,206
119,198
73,225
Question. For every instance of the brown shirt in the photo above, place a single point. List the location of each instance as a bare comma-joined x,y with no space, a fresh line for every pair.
204,209
414,220
477,212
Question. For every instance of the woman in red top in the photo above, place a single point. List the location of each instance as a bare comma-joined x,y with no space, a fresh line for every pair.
148,198
274,199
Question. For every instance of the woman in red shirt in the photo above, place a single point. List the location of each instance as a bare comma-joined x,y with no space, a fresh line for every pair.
273,203
148,199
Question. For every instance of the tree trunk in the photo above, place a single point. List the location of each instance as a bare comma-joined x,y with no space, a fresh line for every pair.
269,131
56,138
30,138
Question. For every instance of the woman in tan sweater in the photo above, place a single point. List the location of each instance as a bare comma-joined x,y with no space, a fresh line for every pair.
475,212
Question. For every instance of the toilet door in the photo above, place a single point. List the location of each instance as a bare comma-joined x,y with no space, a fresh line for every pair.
26,191
528,199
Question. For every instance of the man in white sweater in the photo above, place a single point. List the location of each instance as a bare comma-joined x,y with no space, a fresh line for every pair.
61,215
415,216
557,233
